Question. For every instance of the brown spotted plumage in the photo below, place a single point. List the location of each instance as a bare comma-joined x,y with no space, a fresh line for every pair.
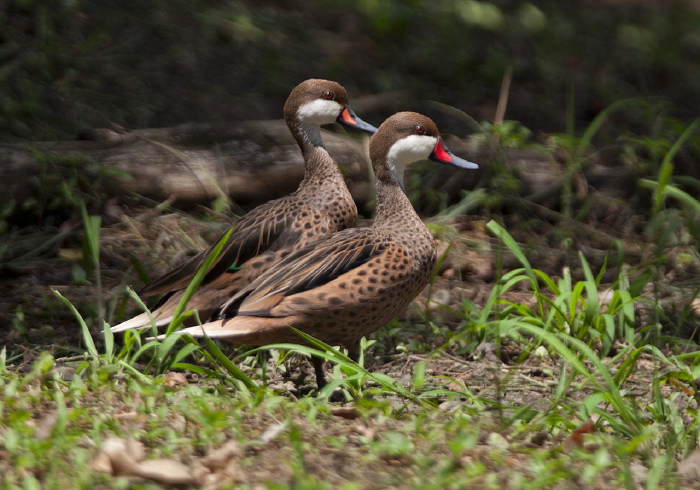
348,284
321,205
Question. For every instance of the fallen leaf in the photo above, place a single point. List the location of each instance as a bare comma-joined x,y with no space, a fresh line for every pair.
271,433
350,413
173,379
166,471
125,457
450,405
72,254
496,440
219,457
689,468
365,432
46,425
677,383
102,464
575,439
695,306
220,467
438,300
128,416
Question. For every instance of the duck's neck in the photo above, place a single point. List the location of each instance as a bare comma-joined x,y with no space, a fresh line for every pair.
318,164
394,209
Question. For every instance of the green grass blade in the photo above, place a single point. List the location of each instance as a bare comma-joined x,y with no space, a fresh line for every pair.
204,371
597,122
557,342
686,199
154,344
87,336
234,370
136,373
109,342
666,170
185,351
197,280
331,354
513,246
132,294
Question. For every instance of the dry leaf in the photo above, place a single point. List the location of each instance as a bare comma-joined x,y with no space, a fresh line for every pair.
124,455
101,464
128,416
72,254
220,467
677,383
350,413
695,306
173,379
575,439
219,457
689,468
46,425
126,458
165,471
271,433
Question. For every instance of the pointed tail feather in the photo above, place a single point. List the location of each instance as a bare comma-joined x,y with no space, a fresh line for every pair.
214,330
245,330
139,322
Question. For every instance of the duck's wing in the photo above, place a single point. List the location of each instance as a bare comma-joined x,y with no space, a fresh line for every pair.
255,233
312,267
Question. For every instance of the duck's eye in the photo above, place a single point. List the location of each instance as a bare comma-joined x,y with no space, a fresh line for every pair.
420,130
329,95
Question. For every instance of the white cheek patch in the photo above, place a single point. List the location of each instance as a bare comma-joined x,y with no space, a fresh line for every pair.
407,150
412,149
319,112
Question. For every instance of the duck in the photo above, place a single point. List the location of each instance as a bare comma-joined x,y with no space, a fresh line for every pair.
346,285
321,205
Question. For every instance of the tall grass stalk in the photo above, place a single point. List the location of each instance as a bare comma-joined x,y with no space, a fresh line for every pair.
91,254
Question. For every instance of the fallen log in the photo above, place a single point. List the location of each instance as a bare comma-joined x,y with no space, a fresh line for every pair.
189,164
252,162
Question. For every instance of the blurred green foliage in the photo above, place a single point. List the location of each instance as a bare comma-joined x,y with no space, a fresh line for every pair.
67,65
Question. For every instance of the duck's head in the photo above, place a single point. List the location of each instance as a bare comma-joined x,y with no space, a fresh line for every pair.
406,138
318,102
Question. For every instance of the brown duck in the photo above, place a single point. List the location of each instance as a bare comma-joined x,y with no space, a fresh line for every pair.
348,284
321,205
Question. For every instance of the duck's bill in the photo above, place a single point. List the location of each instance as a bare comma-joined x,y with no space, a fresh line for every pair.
349,118
442,154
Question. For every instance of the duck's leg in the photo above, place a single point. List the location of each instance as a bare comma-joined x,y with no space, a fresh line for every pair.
353,353
320,374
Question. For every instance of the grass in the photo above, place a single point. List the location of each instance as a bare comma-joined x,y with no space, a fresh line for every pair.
430,432
49,422
594,391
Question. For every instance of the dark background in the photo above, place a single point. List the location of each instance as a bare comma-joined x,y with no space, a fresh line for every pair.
66,66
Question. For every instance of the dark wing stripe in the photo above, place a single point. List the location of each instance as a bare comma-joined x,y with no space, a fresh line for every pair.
252,240
331,270
317,263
